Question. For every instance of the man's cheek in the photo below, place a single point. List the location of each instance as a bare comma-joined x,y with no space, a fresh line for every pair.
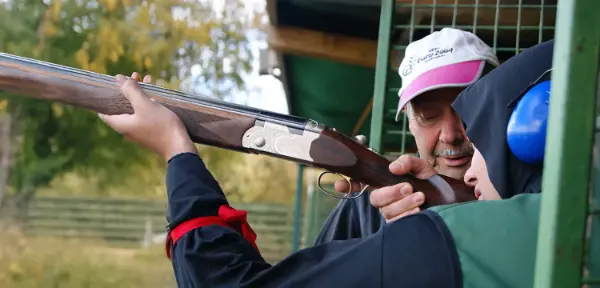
426,145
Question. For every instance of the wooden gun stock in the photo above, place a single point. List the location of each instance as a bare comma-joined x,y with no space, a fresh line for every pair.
225,125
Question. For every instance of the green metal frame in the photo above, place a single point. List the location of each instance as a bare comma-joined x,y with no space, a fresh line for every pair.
566,180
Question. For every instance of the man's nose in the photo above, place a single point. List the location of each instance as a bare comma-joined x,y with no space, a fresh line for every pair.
452,130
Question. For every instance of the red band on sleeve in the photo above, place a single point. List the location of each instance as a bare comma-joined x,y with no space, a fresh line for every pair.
227,216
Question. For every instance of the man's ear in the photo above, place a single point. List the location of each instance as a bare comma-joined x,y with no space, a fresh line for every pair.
407,109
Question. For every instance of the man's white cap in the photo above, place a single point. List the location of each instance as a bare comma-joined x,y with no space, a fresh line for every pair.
447,58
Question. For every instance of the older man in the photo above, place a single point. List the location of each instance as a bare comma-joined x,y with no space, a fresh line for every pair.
435,69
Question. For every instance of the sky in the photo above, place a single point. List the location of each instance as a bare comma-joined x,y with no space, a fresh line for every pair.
264,92
270,96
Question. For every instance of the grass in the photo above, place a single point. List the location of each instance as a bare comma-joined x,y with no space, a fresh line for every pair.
44,262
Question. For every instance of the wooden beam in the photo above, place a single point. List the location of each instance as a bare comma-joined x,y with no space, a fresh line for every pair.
341,48
272,11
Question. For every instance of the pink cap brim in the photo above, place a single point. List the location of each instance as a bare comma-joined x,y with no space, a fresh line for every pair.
453,75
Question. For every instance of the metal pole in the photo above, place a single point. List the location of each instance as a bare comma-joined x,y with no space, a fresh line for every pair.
381,74
567,163
298,208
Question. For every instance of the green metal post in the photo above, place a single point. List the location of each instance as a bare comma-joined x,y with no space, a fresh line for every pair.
569,142
298,208
313,221
593,259
381,73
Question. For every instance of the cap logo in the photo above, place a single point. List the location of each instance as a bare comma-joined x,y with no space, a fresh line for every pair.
434,53
409,66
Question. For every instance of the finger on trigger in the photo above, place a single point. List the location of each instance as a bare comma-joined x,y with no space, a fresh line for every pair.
341,186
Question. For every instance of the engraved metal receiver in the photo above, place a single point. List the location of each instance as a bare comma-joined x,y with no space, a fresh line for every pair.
295,143
281,139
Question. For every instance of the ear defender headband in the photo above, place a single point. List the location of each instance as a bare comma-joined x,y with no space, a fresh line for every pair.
526,130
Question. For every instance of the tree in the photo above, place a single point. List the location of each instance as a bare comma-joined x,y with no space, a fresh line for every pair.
6,149
163,38
261,179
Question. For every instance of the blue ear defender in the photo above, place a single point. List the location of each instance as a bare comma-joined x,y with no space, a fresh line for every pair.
526,130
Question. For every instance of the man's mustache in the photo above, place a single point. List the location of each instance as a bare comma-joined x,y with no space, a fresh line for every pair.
464,151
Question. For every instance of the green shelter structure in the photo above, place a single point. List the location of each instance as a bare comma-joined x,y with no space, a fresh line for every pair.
338,62
339,59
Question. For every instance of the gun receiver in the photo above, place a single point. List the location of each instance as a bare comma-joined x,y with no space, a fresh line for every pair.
225,125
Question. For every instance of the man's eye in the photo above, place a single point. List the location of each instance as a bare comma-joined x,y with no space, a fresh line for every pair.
428,118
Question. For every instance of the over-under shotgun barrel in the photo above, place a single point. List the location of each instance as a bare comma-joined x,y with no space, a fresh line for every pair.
226,125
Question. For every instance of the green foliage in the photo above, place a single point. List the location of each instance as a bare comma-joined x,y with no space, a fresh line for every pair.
111,37
243,177
251,178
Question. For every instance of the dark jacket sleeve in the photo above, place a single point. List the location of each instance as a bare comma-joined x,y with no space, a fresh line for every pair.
217,256
351,218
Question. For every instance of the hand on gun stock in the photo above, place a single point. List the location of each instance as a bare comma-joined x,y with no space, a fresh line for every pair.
168,134
399,200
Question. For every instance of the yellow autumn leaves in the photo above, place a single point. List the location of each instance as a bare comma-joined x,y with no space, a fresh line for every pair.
105,45
148,31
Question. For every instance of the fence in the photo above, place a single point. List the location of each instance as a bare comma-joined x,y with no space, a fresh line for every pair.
130,221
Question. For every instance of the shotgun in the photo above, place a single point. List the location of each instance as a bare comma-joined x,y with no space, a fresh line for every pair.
226,125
